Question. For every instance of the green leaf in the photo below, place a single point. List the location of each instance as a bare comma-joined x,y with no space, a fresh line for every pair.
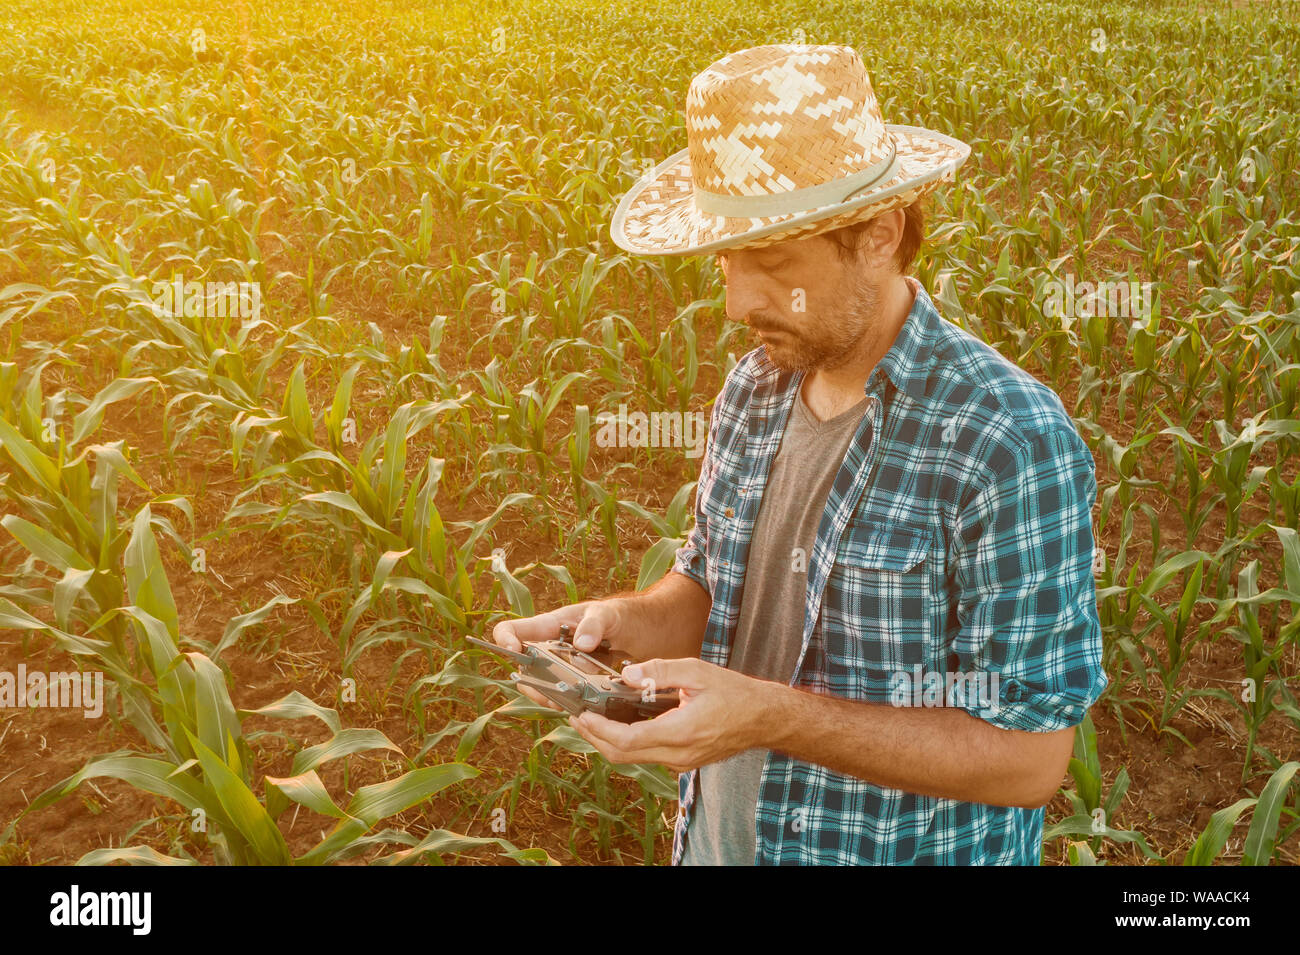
235,626
565,737
339,409
442,842
214,715
44,545
372,803
248,816
1258,849
518,595
136,855
383,569
657,560
306,789
1162,575
343,743
67,590
28,457
1081,854
13,616
445,607
1290,541
1079,825
1211,842
345,502
145,576
118,390
152,775
656,780
295,706
469,739
296,406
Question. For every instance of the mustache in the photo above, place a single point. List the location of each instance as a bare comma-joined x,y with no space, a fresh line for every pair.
766,325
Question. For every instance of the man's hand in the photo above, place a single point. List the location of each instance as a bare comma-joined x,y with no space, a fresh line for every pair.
942,752
592,621
720,714
667,620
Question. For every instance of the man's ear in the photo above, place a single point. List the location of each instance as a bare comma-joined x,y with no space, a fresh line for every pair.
881,239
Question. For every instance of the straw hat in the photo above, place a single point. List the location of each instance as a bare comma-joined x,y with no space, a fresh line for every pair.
783,141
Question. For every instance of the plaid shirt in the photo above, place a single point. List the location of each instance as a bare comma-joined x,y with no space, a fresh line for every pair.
957,538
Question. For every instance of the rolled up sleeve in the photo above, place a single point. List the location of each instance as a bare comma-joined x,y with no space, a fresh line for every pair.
691,558
1027,601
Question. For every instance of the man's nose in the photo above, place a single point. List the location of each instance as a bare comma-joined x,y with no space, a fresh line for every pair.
744,298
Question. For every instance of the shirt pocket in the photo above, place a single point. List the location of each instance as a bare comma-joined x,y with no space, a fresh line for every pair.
720,502
878,606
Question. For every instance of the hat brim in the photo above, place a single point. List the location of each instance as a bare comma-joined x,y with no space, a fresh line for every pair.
658,215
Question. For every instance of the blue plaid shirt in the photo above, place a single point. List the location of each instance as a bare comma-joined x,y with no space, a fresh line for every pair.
957,538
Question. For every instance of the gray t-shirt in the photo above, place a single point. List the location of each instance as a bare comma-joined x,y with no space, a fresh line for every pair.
769,632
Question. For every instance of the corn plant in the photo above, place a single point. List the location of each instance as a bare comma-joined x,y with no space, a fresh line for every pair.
1261,839
1092,812
1264,685
672,529
205,762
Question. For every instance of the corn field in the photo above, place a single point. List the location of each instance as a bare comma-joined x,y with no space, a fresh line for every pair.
309,316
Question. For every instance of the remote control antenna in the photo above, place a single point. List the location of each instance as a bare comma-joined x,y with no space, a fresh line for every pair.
522,658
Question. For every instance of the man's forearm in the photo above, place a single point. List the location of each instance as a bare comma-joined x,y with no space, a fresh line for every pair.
666,620
939,751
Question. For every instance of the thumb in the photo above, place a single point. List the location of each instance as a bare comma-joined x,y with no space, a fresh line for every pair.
686,673
597,624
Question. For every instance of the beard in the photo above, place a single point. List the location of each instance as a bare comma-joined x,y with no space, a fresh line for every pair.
830,340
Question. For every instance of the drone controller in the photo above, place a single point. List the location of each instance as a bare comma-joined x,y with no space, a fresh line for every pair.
580,681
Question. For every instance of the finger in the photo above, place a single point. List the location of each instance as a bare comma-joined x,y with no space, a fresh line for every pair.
597,731
505,635
596,624
512,634
582,723
536,697
687,673
667,731
610,733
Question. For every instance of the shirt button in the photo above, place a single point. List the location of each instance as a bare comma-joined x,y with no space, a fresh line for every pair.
730,512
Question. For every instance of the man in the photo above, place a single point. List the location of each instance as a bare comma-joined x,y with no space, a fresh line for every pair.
883,625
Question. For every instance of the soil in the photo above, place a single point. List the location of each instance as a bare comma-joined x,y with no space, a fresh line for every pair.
1175,785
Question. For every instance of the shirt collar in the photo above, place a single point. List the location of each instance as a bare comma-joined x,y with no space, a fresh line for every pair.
907,363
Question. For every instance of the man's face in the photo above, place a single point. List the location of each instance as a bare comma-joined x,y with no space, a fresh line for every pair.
808,306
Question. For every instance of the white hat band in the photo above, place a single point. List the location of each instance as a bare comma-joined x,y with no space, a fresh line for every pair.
796,200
